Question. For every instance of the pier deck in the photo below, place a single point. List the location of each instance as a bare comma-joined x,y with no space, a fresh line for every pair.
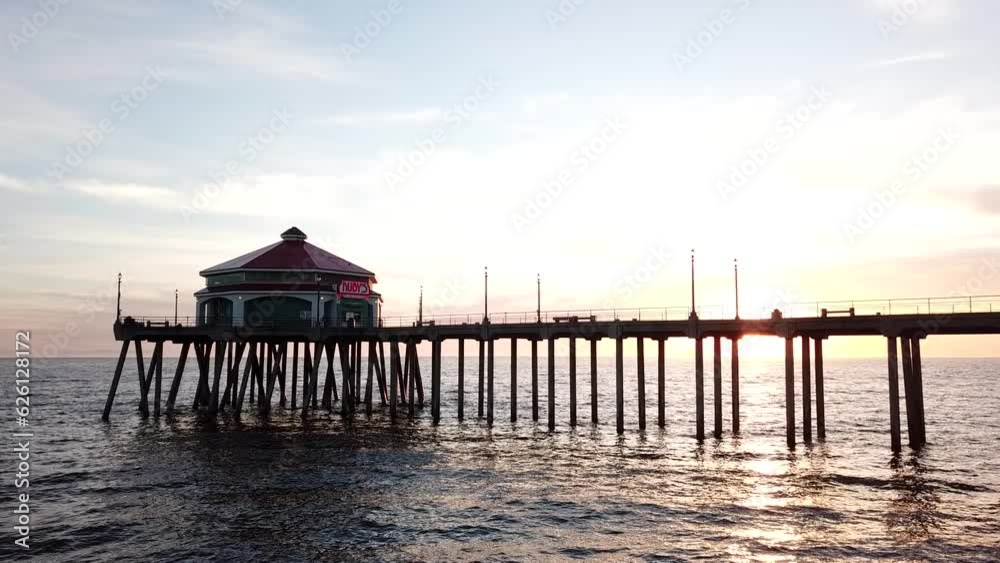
261,354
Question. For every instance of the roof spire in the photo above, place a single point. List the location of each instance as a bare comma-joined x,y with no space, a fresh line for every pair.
293,234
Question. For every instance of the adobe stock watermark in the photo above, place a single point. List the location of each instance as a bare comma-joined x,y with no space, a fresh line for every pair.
86,312
988,271
712,30
657,257
580,160
32,25
364,35
913,170
785,129
903,12
248,150
455,116
223,7
92,138
448,294
562,13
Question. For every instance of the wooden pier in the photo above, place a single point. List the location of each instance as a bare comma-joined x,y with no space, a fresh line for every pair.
240,365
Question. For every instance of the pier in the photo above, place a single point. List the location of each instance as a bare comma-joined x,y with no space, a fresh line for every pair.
260,365
294,300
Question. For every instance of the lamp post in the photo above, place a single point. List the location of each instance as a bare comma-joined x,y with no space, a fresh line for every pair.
736,278
420,310
486,294
693,313
176,301
119,317
539,298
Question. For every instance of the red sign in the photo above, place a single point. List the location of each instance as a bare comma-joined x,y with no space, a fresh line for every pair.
353,289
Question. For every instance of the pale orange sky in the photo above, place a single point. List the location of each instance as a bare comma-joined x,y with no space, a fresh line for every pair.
835,157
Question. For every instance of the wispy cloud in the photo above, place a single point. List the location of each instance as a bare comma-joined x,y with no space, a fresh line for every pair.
149,196
928,56
399,118
15,185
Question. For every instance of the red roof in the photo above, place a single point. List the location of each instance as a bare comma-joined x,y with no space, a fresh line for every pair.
292,253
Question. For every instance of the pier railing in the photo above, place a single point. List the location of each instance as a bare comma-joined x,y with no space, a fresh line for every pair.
861,307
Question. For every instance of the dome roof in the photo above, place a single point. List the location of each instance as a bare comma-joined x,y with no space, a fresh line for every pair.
292,253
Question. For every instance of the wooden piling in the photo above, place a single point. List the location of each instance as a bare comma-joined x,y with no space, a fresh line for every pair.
534,380
318,349
234,356
114,381
306,376
661,378
372,361
552,384
346,377
820,398
295,374
436,380
735,385
393,378
894,395
141,367
789,392
356,367
911,407
513,380
572,381
489,387
412,393
158,382
918,390
641,376
717,386
175,385
619,384
220,362
807,434
699,388
383,382
247,374
461,379
330,381
593,381
482,375
283,400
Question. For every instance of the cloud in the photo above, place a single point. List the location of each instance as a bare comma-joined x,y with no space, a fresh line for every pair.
929,11
983,199
256,53
149,196
419,116
15,185
928,56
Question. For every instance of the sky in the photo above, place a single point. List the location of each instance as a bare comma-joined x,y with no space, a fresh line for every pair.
839,150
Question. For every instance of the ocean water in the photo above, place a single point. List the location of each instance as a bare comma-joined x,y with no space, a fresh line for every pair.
325,489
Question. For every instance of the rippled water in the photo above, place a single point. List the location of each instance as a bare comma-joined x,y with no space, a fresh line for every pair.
189,489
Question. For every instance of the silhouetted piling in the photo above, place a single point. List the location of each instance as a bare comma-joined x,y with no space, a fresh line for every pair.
661,377
461,379
894,395
789,391
513,380
699,388
807,433
717,385
572,381
735,385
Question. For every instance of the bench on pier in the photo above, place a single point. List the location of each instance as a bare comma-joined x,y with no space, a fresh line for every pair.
164,324
573,319
848,312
